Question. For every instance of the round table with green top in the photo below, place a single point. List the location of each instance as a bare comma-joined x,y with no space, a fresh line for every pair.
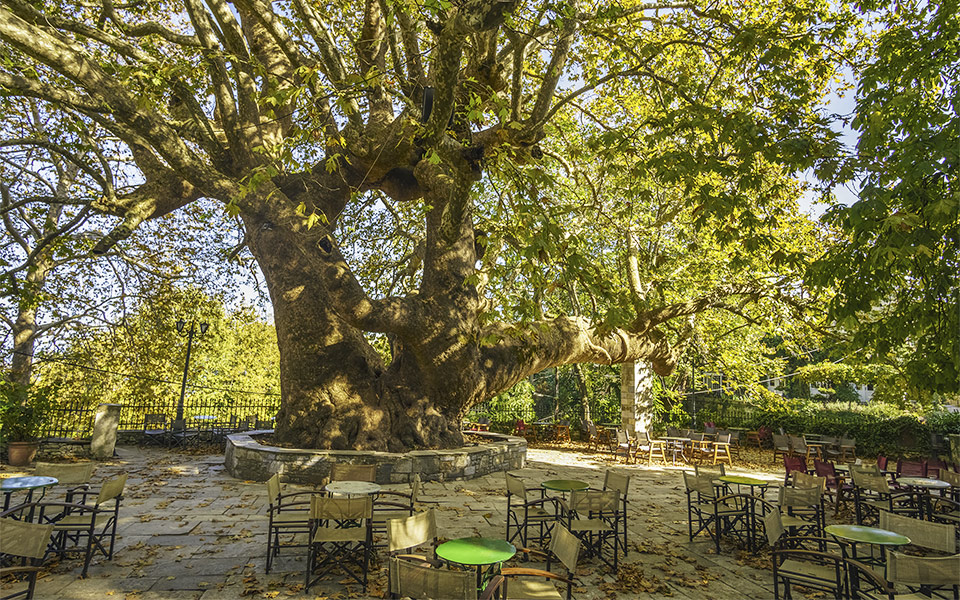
477,552
751,482
861,534
565,485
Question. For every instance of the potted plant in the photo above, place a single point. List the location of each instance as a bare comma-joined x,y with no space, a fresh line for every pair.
23,413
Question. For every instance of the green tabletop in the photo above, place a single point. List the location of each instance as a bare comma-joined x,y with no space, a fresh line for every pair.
741,480
476,551
26,483
867,535
927,482
564,485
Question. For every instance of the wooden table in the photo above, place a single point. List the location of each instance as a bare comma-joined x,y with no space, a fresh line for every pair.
675,444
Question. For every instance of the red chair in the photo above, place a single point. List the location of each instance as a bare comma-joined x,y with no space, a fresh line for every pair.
911,468
791,464
836,484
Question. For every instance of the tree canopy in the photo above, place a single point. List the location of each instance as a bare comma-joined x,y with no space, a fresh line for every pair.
481,189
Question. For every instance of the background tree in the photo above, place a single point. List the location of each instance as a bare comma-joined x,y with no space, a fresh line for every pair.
319,125
896,261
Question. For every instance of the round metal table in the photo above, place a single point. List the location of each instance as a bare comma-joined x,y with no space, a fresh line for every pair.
860,534
748,481
925,484
477,552
565,485
28,483
352,488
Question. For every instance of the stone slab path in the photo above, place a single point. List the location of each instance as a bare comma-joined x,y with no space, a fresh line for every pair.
189,531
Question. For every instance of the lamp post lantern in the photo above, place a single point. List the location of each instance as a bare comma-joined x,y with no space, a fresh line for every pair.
186,364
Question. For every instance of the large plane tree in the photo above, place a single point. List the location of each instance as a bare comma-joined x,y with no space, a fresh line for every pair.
413,123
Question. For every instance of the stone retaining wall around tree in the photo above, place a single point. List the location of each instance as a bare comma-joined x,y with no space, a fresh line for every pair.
247,459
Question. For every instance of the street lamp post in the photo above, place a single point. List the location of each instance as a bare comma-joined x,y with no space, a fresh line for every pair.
186,365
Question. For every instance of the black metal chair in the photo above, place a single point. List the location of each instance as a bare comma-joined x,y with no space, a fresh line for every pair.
288,515
154,429
714,514
592,516
621,484
341,536
525,514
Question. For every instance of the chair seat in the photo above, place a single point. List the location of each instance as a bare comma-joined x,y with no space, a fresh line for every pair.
74,521
803,571
291,517
344,534
531,588
590,525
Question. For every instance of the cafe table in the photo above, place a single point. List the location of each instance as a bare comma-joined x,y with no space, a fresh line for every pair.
348,487
477,552
861,534
742,480
675,445
925,485
27,484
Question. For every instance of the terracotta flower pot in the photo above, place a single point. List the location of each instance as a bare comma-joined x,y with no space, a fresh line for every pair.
21,454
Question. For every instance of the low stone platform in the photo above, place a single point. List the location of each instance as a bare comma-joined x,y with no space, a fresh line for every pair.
248,459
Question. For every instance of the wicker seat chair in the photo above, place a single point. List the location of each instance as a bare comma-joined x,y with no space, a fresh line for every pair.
525,583
410,579
288,515
341,535
525,514
28,542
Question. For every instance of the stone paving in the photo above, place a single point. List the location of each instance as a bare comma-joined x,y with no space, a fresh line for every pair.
187,531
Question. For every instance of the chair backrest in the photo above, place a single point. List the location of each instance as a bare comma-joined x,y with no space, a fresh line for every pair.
873,483
925,534
911,468
622,436
112,488
773,527
709,429
794,463
590,501
273,488
848,441
781,442
951,477
882,462
804,497
410,579
644,437
723,438
66,473
825,469
565,546
873,470
734,437
178,424
20,538
712,471
154,419
339,508
798,443
348,472
934,465
686,433
802,480
515,486
921,570
673,432
701,484
415,484
616,481
592,429
412,531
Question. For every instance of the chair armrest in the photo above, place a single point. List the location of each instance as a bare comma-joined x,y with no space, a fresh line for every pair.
392,505
493,588
524,572
281,497
533,552
4,571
